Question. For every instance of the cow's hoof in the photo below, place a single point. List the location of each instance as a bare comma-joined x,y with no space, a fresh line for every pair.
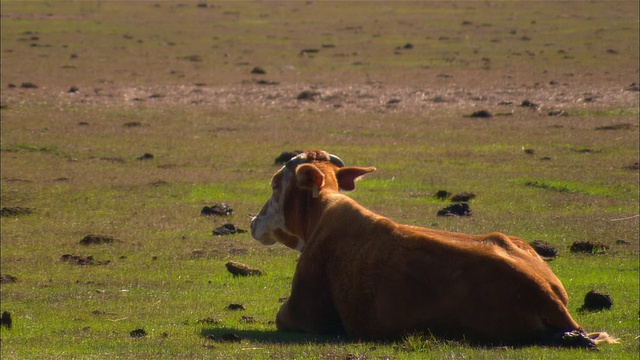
577,338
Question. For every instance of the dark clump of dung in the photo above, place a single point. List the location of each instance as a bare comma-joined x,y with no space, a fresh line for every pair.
529,104
442,194
286,156
16,211
5,320
267,82
634,166
209,320
595,301
132,124
217,210
247,319
138,333
83,260
98,239
588,247
624,126
28,85
544,249
6,278
146,156
228,229
258,70
308,95
230,337
240,269
235,307
481,114
463,197
457,209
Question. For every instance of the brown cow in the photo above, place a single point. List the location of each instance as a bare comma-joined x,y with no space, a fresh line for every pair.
364,274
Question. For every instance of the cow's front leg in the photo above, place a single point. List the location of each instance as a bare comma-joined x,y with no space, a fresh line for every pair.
310,309
284,320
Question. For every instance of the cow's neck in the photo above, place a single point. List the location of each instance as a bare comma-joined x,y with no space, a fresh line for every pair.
323,209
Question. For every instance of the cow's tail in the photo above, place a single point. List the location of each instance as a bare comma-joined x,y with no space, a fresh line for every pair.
602,338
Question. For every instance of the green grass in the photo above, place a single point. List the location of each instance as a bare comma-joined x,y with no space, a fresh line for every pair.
168,272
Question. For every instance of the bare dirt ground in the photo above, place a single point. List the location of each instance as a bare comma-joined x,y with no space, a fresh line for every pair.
411,56
362,97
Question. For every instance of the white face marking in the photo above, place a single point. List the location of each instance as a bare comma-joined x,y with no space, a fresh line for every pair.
270,222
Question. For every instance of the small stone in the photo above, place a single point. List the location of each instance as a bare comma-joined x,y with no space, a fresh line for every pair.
240,269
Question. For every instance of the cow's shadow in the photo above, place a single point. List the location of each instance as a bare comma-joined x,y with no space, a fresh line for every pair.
225,334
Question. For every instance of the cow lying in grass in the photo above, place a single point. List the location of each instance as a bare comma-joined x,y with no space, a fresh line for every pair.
365,275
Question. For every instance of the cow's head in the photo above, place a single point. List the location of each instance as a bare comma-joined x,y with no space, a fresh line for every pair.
298,189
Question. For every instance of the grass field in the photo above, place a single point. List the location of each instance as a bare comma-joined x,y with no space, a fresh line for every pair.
113,81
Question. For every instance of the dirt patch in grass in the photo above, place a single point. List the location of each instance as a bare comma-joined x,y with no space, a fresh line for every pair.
349,64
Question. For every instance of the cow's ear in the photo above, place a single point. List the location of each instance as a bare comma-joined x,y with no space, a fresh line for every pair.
309,177
347,176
